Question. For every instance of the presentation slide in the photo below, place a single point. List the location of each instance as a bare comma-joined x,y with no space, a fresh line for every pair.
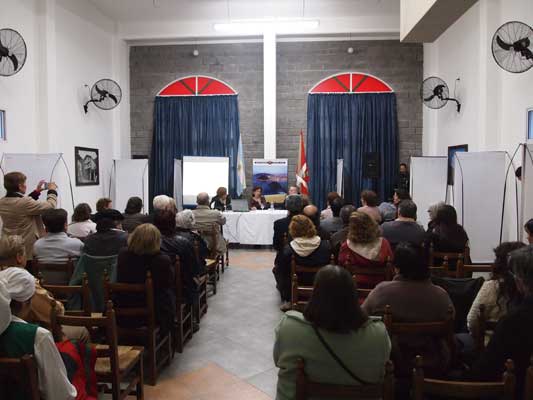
203,174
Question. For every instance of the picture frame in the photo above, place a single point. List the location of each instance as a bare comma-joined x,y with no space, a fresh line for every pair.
3,136
529,124
452,150
87,166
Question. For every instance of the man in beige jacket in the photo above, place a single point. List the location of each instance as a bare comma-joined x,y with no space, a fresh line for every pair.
205,219
21,215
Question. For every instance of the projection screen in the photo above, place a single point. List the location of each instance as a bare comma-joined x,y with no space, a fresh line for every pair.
129,179
203,174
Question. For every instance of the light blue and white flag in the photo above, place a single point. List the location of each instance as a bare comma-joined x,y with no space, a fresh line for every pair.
241,175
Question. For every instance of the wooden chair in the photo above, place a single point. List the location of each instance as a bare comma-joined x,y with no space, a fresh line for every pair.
300,294
183,324
306,389
158,347
443,268
214,261
466,270
54,273
19,375
64,294
386,271
505,389
484,326
200,307
210,265
114,364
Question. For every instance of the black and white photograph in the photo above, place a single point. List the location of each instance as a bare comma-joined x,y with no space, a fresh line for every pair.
87,166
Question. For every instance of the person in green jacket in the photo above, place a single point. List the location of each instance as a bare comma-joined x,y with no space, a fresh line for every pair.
333,312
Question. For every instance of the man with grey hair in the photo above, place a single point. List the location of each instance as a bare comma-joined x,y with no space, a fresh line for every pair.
206,218
513,336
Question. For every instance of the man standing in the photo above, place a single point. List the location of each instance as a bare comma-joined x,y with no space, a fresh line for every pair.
403,178
205,219
21,215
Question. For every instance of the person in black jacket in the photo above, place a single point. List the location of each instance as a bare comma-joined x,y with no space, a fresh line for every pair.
184,225
222,201
308,250
133,217
293,204
109,237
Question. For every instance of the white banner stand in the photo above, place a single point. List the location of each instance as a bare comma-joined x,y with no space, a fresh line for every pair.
129,179
178,184
340,177
526,212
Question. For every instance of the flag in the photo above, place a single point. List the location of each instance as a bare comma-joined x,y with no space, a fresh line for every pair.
302,177
241,176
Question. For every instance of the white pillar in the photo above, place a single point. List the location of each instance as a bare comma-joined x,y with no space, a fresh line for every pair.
269,93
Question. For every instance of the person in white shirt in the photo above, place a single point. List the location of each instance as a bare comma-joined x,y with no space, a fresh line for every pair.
18,338
81,225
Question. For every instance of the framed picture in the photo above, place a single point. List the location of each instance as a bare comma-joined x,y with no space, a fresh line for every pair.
529,115
87,166
2,125
462,148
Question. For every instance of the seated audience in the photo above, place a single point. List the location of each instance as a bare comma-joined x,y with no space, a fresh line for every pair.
143,254
369,199
56,247
389,211
109,237
18,338
448,235
364,248
413,298
293,204
513,336
308,250
311,211
293,190
81,225
499,294
432,211
104,204
222,201
20,214
162,202
184,228
257,201
528,227
205,219
133,217
334,224
327,213
332,313
404,228
338,238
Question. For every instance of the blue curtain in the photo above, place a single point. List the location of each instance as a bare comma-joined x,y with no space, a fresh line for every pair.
193,126
347,126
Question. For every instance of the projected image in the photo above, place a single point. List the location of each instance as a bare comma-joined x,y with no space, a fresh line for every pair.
87,166
203,174
530,123
452,150
270,176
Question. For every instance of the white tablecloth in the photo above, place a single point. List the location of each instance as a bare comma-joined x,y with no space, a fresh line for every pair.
254,227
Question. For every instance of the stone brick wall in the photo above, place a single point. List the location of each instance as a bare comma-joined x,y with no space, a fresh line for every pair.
300,66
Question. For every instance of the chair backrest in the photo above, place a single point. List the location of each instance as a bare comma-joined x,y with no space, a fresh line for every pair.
306,389
443,268
65,294
300,294
54,273
466,270
178,282
19,375
386,271
504,389
211,234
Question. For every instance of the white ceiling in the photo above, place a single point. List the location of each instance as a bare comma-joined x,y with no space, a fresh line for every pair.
128,11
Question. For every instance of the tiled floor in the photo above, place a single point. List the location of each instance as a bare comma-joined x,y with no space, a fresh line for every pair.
231,356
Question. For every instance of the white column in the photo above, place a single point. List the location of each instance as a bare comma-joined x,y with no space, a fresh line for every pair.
269,93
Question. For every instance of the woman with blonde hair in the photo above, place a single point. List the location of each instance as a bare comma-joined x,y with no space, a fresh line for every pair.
308,250
143,254
364,248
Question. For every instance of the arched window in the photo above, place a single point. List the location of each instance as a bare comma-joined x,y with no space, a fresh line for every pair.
351,82
197,85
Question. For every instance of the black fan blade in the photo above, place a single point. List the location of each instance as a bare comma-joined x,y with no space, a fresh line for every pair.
112,96
522,46
100,92
502,44
527,54
430,97
15,61
4,51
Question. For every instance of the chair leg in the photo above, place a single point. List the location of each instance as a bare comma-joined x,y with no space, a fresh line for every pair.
140,384
152,361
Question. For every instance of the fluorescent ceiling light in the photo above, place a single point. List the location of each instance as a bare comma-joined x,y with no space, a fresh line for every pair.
248,27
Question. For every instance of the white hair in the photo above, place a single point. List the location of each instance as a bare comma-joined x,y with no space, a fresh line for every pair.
162,202
185,219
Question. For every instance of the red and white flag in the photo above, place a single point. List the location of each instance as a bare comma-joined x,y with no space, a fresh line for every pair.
302,176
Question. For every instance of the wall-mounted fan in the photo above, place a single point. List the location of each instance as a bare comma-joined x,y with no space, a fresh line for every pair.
13,52
512,47
105,94
435,93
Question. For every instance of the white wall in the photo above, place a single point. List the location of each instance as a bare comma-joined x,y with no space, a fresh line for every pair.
70,44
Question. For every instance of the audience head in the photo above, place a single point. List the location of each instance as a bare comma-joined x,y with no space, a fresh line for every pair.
257,192
103,204
345,213
293,204
521,263
15,182
311,211
108,219
305,200
369,198
403,168
293,190
407,209
20,285
185,220
500,266
399,195
362,228
301,227
529,230
332,196
82,213
334,305
202,199
410,262
433,209
162,202
446,216
134,205
165,221
222,192
144,240
336,206
12,250
5,310
55,220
